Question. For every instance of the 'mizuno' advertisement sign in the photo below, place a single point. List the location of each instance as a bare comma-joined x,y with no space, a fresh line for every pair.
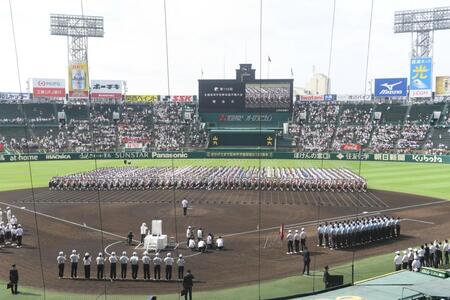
391,87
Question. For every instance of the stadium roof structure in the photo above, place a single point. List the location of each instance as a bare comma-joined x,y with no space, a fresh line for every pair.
398,285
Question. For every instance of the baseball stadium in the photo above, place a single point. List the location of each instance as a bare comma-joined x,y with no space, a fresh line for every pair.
249,184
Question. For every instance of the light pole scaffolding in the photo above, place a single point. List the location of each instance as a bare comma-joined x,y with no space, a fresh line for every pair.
421,24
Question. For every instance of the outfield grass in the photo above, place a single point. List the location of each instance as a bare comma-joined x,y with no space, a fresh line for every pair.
416,178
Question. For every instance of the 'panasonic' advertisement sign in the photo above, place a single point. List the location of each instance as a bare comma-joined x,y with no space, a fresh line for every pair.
390,87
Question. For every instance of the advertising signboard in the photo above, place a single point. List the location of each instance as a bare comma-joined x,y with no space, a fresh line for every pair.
49,88
106,89
420,77
391,87
78,80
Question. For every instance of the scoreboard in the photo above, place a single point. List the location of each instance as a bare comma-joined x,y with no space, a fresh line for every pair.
246,138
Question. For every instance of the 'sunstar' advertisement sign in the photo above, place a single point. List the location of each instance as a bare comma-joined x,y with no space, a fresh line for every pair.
49,88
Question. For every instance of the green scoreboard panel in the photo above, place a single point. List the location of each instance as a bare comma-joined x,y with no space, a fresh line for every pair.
242,138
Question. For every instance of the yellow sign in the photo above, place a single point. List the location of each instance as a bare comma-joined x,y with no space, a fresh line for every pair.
269,141
142,98
78,80
442,85
215,140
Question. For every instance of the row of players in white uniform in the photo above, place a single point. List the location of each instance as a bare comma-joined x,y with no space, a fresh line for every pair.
434,255
202,244
122,261
267,178
11,233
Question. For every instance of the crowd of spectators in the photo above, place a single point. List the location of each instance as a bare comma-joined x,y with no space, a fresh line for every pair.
412,136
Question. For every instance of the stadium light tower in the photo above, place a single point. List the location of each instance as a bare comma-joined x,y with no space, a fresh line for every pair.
421,24
78,29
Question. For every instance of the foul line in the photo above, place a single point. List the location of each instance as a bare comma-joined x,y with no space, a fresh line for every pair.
419,221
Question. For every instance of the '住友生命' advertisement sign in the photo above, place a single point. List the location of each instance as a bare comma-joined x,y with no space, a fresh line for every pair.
391,87
421,77
106,89
78,80
49,88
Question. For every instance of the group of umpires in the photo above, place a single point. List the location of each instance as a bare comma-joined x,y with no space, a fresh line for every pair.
432,255
123,261
356,232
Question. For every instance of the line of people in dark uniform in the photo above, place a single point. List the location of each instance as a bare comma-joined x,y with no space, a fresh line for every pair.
433,255
122,261
213,178
360,231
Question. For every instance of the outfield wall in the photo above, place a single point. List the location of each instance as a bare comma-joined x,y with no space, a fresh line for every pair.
346,156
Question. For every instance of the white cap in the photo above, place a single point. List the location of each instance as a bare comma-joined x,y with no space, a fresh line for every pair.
86,254
410,249
397,252
124,253
189,227
181,255
145,252
157,254
290,230
169,254
296,230
61,253
134,253
303,229
100,254
74,251
404,252
113,253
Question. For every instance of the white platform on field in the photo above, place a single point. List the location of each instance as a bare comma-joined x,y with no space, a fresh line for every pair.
155,242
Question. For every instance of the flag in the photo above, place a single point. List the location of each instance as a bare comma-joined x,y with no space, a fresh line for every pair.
281,231
202,72
292,72
268,59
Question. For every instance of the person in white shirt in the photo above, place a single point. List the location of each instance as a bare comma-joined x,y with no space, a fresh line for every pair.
416,265
302,239
157,266
296,241
219,243
123,265
290,242
113,265
74,257
405,260
1,215
180,263
202,246
421,254
100,260
200,234
61,260
146,263
184,204
144,229
410,258
168,261
19,234
398,261
192,244
209,241
87,265
134,260
8,214
189,235
446,250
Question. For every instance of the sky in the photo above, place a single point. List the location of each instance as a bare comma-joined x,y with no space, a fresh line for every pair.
215,36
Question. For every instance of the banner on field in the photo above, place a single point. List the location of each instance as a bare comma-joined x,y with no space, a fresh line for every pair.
142,98
49,87
420,77
391,87
14,96
310,97
442,85
350,147
107,89
353,97
78,80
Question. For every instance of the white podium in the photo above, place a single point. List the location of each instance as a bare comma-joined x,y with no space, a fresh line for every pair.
156,240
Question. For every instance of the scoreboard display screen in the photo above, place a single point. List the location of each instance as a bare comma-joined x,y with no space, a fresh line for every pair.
251,96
